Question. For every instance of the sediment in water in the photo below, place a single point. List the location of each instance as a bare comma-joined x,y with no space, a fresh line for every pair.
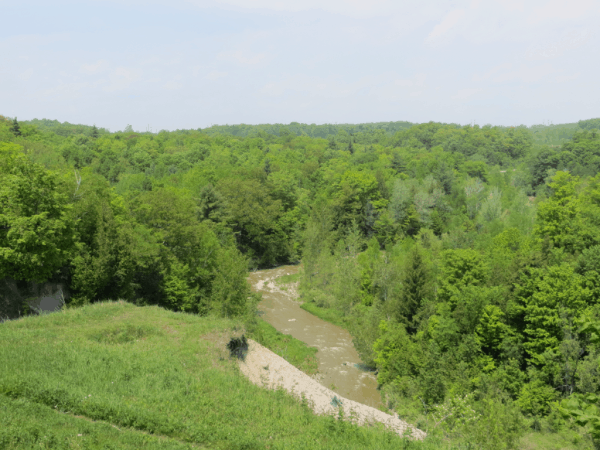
265,368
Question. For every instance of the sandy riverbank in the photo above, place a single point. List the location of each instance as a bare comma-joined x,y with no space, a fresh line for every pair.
265,368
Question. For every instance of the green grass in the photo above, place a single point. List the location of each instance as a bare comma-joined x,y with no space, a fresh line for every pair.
289,348
162,378
331,315
564,440
27,425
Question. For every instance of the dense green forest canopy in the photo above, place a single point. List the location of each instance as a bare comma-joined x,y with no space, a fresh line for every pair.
465,260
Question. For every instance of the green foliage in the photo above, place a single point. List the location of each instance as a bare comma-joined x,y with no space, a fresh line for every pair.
536,397
489,423
584,410
257,221
397,356
549,299
36,227
461,268
492,329
416,289
15,128
559,219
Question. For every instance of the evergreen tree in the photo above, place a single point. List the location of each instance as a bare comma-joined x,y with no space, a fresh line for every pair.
350,147
445,176
398,163
95,133
15,128
147,184
370,217
268,166
411,223
437,223
332,144
415,290
210,204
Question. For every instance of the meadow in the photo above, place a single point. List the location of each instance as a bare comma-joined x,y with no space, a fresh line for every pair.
114,375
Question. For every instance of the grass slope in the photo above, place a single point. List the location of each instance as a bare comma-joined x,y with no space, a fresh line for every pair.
130,377
26,424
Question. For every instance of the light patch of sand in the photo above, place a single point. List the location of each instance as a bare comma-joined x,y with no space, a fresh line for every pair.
265,368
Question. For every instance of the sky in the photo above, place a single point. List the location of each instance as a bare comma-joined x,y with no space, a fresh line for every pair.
180,64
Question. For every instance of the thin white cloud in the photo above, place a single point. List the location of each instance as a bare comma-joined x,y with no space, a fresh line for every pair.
319,87
33,40
66,91
512,5
449,22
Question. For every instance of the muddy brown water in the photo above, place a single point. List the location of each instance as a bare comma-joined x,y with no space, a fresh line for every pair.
336,356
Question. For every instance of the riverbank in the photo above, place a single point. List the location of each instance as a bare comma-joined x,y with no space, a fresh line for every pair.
159,379
292,350
268,370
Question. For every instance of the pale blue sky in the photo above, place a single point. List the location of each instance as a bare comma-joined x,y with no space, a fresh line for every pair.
191,63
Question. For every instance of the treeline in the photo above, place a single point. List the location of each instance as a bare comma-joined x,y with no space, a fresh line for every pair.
65,128
311,130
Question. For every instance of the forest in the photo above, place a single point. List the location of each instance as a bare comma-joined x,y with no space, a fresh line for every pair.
463,259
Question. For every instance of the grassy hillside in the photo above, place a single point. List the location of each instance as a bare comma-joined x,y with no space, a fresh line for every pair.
113,375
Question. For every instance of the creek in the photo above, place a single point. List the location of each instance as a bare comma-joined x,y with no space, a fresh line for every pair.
339,362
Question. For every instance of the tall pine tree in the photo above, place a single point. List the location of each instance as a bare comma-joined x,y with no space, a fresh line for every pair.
16,128
398,163
416,289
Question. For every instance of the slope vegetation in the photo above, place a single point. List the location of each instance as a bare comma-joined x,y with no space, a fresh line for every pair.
113,375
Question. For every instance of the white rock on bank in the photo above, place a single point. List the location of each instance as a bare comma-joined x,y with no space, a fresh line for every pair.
265,368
